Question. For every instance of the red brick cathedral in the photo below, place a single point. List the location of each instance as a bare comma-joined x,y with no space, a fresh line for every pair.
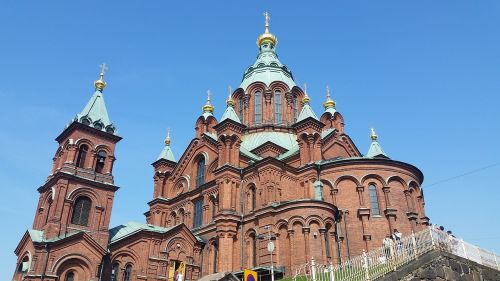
268,170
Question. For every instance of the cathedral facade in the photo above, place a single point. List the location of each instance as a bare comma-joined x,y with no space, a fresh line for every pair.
269,170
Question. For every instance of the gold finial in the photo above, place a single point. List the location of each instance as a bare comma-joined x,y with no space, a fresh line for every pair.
208,107
267,36
373,135
306,98
167,139
329,103
100,84
230,101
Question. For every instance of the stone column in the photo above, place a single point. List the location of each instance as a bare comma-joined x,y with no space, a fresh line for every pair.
306,231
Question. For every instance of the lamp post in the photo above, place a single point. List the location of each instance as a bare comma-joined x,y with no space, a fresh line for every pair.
270,248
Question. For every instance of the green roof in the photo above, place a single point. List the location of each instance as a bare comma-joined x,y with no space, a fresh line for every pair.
230,114
306,112
254,140
95,115
267,69
167,154
130,228
37,236
375,150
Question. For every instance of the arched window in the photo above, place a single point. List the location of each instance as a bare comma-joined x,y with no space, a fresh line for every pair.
252,203
215,202
81,211
277,106
101,158
327,241
198,213
114,272
241,108
258,108
374,200
200,172
49,206
294,104
24,266
253,254
70,276
128,273
216,256
82,155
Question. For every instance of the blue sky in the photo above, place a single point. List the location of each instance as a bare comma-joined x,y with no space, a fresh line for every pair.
425,74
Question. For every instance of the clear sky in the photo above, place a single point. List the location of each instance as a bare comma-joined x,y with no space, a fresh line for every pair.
425,74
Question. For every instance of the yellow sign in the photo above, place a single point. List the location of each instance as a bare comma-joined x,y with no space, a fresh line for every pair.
176,271
250,275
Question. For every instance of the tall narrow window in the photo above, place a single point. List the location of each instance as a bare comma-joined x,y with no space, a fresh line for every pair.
216,256
241,108
49,206
114,272
198,215
24,266
254,251
294,104
200,172
252,198
215,203
101,158
81,211
128,273
327,243
277,106
258,108
374,200
70,276
82,154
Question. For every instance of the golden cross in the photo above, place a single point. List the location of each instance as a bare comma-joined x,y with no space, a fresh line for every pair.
305,88
168,133
104,68
230,91
327,91
266,15
208,95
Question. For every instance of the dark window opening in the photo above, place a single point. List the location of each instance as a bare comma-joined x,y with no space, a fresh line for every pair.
101,158
198,213
114,272
241,109
277,106
81,211
258,108
252,199
200,172
374,200
82,154
128,273
70,276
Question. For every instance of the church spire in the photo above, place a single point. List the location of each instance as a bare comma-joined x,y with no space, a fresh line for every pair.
95,114
307,110
375,150
229,113
167,153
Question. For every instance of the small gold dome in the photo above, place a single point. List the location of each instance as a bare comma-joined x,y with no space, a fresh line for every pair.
329,103
306,99
100,84
208,107
167,139
230,101
267,37
373,135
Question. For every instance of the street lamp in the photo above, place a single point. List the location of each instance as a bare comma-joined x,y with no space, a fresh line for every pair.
270,247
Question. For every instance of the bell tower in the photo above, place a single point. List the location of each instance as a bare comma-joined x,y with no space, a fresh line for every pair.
78,194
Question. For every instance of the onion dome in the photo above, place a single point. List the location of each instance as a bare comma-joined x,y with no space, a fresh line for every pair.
306,98
267,68
267,37
100,84
375,150
329,103
208,107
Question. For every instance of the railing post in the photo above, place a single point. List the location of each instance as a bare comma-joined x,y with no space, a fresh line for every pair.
365,265
330,270
313,269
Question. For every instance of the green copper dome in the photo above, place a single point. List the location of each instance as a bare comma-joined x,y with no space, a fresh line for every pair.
267,68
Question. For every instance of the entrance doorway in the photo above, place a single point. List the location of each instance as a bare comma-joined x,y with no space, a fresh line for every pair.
176,270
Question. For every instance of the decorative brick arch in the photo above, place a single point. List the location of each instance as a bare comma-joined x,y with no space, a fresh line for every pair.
397,179
85,191
77,263
348,178
369,177
315,218
125,256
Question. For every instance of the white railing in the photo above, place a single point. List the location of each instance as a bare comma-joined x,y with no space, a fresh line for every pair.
378,262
